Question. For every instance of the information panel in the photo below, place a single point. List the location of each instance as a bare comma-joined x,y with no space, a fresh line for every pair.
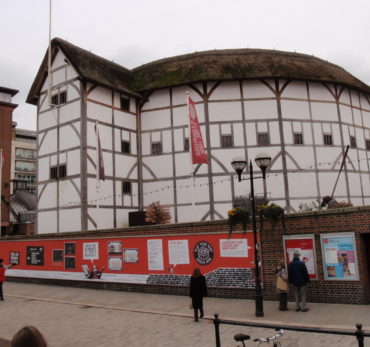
339,256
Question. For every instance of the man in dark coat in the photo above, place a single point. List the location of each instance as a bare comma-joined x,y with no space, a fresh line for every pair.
299,278
198,290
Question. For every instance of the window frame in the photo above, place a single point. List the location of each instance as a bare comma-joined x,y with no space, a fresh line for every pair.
299,137
124,103
352,142
266,136
327,137
157,148
125,147
126,187
227,141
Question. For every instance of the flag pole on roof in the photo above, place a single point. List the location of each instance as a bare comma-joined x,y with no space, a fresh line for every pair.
1,182
50,81
100,175
196,146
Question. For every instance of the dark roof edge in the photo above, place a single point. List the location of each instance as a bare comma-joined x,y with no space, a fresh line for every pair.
10,91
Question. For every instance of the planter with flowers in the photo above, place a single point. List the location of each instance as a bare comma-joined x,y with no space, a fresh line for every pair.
237,215
272,212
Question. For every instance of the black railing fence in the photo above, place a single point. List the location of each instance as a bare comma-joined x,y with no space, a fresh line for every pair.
358,333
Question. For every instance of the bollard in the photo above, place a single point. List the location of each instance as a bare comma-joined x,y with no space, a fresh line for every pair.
360,335
216,322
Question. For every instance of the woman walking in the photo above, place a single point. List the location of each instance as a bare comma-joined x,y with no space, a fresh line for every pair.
198,290
282,285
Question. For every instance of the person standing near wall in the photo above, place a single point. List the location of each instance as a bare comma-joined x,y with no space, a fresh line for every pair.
198,290
2,277
299,278
282,285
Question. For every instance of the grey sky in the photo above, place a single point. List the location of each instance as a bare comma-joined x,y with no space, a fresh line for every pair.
135,32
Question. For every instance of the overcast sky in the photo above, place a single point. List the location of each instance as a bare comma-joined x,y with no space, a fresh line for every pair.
135,32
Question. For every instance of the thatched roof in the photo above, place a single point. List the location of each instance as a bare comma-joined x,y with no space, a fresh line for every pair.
229,64
240,64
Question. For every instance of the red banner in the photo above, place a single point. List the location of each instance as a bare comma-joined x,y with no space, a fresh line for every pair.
198,152
100,163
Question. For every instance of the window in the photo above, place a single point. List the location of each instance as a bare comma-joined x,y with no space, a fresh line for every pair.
126,187
263,139
125,147
30,178
367,144
23,138
25,153
328,140
157,148
57,172
186,144
125,103
298,139
352,141
226,141
25,165
59,99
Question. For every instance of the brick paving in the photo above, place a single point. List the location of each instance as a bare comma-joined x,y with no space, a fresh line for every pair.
83,317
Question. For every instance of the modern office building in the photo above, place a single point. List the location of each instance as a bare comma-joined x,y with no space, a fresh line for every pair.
300,109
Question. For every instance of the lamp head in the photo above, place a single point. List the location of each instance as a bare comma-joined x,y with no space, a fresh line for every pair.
239,164
263,161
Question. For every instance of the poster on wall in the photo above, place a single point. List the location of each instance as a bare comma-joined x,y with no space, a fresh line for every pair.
14,258
70,262
339,256
57,255
35,255
234,248
70,248
131,255
114,247
91,250
155,254
115,263
305,245
178,251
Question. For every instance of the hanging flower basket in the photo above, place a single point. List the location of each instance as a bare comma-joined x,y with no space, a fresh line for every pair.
272,212
237,215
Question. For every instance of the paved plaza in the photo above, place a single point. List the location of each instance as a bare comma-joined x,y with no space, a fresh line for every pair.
81,317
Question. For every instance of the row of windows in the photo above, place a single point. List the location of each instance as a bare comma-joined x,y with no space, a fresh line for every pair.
58,171
28,178
25,153
59,99
25,165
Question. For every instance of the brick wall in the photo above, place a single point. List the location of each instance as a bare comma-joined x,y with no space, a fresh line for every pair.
329,221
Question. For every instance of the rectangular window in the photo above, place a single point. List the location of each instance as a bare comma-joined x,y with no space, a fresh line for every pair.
186,144
25,153
226,141
367,144
126,187
156,148
55,99
352,141
59,99
328,140
25,165
57,172
298,139
125,103
263,139
125,147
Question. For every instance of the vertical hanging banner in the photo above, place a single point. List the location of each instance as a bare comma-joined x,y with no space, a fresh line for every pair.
100,163
198,152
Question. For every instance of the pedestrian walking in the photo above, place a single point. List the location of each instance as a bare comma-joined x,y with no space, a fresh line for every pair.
282,285
198,290
299,278
28,336
2,277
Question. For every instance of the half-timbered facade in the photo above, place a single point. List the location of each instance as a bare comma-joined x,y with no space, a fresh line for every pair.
301,110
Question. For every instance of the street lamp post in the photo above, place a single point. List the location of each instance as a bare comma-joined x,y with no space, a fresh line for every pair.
239,165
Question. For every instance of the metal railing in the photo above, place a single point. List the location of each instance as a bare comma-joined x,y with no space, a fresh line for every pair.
358,333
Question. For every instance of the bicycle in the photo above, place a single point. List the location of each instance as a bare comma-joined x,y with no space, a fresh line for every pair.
275,338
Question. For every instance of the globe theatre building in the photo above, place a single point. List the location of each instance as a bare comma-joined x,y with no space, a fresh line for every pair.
302,110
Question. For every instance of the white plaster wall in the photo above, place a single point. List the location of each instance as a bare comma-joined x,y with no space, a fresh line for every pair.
251,134
357,118
183,164
125,120
178,140
224,158
43,169
48,199
295,90
69,193
303,156
101,95
105,135
161,191
184,190
70,111
226,91
224,111
161,165
354,184
167,141
155,119
70,220
105,192
107,159
256,89
215,135
327,181
73,161
346,114
274,133
295,109
68,136
59,76
222,209
46,222
122,217
324,111
105,218
221,188
180,115
260,109
188,213
238,132
124,164
47,120
159,98
49,145
319,92
99,112
302,184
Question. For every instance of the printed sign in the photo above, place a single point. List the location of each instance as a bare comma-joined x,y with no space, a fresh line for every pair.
203,253
234,248
155,255
178,252
305,245
14,258
57,255
70,262
91,250
114,247
339,256
35,255
115,263
70,248
131,255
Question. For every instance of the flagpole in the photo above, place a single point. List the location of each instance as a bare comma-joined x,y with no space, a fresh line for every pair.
97,177
191,162
49,59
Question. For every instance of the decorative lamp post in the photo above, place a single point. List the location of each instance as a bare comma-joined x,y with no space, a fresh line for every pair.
263,161
239,165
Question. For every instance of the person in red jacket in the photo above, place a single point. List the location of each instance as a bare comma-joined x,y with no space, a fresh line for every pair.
2,277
